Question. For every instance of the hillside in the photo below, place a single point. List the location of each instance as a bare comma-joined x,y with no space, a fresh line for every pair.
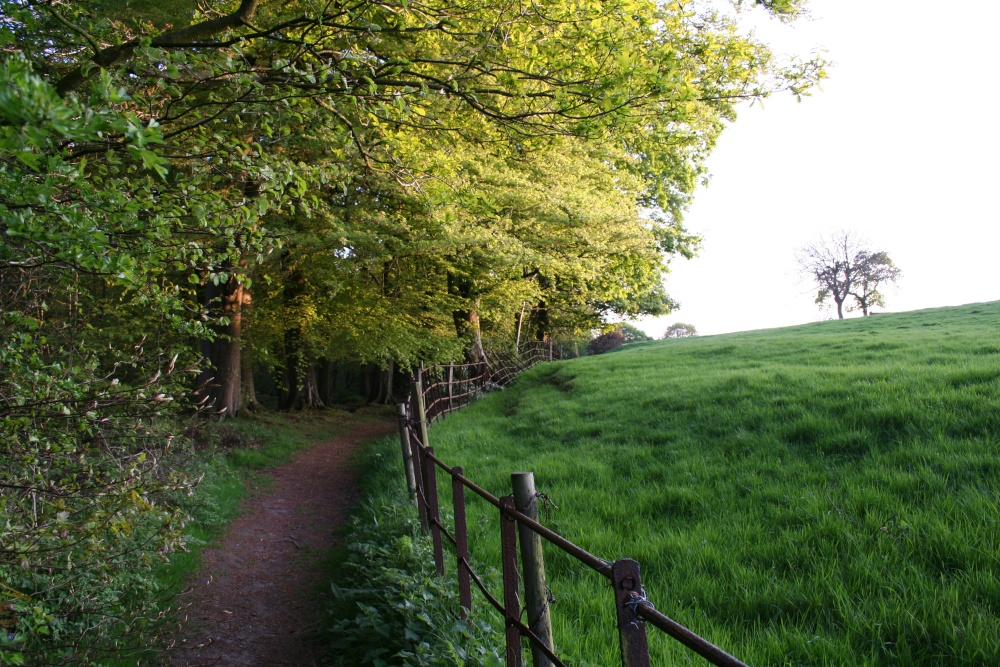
818,495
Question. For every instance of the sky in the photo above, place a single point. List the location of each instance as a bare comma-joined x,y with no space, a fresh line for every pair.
901,145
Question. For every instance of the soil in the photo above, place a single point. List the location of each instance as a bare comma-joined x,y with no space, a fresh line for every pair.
254,601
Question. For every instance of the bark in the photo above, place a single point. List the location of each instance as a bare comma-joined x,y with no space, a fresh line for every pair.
249,391
223,353
326,381
310,390
292,355
540,323
467,325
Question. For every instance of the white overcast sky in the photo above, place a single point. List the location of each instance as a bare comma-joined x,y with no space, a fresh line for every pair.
901,145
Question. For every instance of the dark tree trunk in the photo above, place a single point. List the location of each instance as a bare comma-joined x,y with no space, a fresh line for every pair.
222,383
247,389
292,358
250,402
326,381
310,390
467,320
540,323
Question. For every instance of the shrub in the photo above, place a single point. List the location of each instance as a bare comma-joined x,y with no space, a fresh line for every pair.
606,342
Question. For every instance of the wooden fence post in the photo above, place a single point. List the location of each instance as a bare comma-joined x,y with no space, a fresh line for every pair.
536,597
418,401
461,542
404,441
451,386
419,469
511,604
433,508
631,628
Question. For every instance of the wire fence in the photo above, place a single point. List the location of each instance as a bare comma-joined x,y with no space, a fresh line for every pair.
440,390
449,387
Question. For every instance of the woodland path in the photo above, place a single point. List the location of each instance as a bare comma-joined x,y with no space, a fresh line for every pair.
253,601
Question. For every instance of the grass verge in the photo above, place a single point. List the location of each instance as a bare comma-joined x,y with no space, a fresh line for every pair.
388,605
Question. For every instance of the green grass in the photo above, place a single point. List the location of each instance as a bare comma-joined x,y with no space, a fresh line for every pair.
816,495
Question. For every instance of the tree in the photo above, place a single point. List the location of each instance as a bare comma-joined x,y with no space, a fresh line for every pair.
606,342
632,333
680,330
842,266
274,106
872,269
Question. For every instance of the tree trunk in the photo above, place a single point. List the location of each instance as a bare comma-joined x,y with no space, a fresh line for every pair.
224,388
310,390
540,322
247,389
840,309
292,358
467,320
249,392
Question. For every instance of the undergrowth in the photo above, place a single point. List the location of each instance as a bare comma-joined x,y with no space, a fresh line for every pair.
389,607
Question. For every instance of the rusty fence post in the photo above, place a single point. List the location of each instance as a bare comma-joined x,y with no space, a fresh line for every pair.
536,592
511,603
404,441
433,509
461,542
631,628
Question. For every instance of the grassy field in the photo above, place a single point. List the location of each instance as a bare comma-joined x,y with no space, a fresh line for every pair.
816,495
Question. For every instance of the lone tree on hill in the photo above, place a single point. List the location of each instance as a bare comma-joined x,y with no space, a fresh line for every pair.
843,266
680,330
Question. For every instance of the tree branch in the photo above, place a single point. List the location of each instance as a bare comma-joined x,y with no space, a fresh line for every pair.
113,54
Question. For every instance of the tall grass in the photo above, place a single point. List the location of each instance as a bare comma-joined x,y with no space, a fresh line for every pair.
815,495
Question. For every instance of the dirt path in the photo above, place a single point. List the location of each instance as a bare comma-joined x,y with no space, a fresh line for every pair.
252,602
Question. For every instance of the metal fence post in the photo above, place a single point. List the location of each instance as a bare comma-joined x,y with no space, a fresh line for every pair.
512,606
631,628
433,509
404,441
536,597
461,542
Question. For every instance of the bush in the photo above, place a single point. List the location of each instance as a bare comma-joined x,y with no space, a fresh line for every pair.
606,342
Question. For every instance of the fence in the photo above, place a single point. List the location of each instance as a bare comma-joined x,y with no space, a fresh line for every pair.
519,524
452,386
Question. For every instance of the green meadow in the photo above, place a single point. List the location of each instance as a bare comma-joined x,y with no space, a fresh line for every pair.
817,495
